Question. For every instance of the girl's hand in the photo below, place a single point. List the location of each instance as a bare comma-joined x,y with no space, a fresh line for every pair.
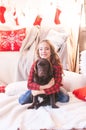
51,83
36,92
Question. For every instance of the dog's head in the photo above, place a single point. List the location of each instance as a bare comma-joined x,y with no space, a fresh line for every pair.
43,71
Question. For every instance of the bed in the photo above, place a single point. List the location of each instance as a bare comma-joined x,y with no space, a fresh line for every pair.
14,116
70,115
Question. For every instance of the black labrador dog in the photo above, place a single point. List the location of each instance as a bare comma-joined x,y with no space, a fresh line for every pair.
43,74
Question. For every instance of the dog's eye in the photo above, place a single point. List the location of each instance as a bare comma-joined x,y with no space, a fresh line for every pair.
42,64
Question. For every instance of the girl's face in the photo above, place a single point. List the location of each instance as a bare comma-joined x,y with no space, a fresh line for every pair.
44,50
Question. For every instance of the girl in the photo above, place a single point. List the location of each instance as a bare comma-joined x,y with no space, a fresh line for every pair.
46,50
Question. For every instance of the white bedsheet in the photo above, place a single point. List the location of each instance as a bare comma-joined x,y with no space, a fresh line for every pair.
69,115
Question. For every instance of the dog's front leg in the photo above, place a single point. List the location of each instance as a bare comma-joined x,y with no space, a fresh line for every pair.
52,101
34,104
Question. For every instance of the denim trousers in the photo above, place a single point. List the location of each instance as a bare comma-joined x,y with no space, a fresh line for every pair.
27,97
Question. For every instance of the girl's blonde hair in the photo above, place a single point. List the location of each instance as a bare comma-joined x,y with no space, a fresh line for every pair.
54,58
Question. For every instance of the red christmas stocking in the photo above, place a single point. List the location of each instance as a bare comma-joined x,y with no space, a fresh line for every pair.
2,11
57,14
37,20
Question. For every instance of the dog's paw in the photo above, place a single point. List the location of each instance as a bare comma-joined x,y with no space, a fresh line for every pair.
55,106
31,106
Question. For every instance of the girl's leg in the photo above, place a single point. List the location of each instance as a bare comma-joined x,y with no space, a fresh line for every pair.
62,96
26,98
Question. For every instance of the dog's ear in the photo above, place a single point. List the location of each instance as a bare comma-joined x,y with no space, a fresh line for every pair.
35,68
50,69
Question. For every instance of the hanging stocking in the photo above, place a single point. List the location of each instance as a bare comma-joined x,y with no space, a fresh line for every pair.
57,14
37,20
2,11
16,18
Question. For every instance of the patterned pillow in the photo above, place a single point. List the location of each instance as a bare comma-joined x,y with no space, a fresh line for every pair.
11,40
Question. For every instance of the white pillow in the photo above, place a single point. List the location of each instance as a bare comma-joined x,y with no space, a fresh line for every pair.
16,88
72,80
58,38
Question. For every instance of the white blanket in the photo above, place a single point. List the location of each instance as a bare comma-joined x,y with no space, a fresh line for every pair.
14,116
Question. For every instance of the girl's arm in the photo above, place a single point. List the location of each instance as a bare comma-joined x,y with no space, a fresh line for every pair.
51,83
41,91
54,85
51,87
30,83
35,92
58,81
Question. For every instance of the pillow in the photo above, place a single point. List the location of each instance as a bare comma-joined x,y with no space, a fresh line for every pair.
72,80
11,40
80,93
58,38
2,89
16,88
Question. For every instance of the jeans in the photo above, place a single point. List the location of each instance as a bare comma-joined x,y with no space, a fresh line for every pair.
27,97
62,97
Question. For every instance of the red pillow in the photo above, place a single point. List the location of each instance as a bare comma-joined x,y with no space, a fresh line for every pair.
12,40
80,93
2,89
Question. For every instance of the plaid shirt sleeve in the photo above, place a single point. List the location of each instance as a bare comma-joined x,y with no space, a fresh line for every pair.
30,84
58,81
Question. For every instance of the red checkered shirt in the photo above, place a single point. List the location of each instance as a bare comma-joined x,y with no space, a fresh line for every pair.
53,89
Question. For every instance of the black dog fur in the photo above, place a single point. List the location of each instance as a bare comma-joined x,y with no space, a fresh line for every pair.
43,74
